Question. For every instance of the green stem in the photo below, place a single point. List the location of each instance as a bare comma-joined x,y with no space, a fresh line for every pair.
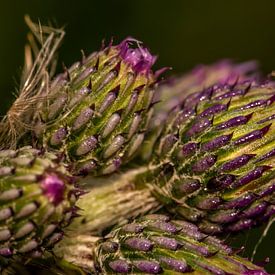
109,201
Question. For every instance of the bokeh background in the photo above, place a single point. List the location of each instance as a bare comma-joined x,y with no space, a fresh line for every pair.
182,33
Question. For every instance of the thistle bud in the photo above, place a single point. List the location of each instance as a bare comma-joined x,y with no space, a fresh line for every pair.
160,250
36,201
222,163
97,108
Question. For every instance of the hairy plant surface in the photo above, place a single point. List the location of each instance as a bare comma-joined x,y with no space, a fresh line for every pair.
156,244
37,201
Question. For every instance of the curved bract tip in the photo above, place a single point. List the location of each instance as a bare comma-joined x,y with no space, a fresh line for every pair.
255,272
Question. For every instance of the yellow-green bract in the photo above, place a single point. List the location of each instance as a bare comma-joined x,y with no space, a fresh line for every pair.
213,162
155,244
98,109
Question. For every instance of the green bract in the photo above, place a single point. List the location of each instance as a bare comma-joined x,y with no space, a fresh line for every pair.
213,162
155,244
98,110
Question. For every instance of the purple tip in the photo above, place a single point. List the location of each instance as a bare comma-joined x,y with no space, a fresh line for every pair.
213,110
190,229
109,247
267,190
199,126
255,272
254,135
133,228
117,162
256,210
188,149
230,94
272,117
224,216
202,250
166,242
270,154
208,203
203,164
133,52
157,217
212,269
53,188
254,104
234,122
6,252
237,162
120,266
220,182
241,225
164,226
177,265
186,186
140,244
240,202
216,143
250,176
148,267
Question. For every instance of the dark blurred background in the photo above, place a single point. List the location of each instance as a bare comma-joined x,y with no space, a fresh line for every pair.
182,33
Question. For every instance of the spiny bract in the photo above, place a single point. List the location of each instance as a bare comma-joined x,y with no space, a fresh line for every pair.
155,244
202,77
214,161
99,108
37,200
168,95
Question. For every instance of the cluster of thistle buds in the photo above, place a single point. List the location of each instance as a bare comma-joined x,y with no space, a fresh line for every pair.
119,173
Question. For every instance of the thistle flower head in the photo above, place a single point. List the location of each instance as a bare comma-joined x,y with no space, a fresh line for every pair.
215,157
98,110
136,55
37,201
222,72
155,244
53,187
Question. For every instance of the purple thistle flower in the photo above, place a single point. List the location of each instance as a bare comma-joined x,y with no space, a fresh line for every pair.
137,56
53,187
